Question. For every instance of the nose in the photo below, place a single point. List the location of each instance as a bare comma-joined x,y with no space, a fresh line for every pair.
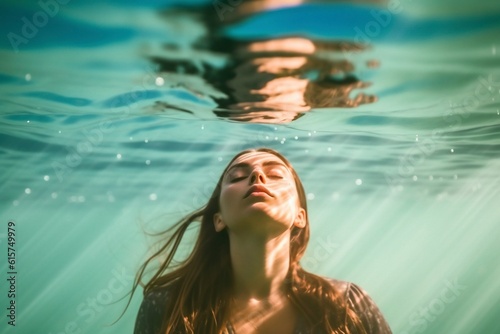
257,176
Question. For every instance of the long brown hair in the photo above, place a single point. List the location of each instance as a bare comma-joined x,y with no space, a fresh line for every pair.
200,285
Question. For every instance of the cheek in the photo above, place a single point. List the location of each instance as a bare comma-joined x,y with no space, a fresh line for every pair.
290,196
227,198
292,205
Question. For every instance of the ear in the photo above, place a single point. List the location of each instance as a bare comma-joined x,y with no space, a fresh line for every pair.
300,220
218,223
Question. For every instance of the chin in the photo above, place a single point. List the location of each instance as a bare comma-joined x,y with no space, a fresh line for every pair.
256,216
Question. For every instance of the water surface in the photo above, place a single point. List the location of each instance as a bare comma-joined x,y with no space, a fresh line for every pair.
116,114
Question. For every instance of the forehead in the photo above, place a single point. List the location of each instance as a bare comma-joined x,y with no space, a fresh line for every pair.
256,158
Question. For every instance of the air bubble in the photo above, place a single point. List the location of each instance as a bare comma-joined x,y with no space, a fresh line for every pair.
159,81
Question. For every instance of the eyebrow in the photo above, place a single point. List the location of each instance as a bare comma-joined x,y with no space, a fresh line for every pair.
246,165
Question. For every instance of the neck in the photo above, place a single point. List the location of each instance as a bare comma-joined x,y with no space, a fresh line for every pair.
260,267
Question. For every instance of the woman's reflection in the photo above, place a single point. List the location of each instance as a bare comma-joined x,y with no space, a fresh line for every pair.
275,80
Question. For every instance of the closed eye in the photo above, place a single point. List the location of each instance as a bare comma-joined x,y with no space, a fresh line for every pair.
236,179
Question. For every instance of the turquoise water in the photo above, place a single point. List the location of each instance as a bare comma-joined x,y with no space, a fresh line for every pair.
96,144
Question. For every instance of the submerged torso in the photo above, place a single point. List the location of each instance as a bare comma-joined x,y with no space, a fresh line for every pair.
252,320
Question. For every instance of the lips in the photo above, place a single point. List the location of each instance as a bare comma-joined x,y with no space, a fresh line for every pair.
257,188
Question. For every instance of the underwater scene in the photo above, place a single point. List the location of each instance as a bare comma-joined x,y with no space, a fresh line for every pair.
118,118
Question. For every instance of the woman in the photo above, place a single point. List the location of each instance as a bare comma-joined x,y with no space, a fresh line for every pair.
243,275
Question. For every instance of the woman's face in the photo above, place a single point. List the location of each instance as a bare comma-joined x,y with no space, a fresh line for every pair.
258,194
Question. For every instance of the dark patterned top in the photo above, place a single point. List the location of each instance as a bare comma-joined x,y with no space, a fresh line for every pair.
150,315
